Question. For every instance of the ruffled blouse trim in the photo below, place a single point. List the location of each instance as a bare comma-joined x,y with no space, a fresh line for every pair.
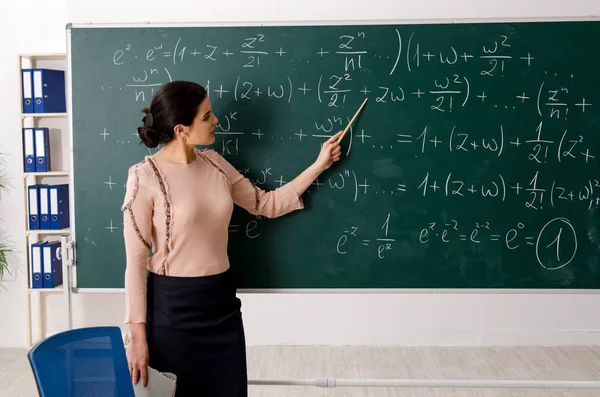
169,212
128,206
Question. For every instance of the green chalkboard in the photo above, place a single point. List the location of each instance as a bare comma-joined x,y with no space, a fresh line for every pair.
474,163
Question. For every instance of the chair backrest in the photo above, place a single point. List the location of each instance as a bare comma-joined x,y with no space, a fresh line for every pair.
85,362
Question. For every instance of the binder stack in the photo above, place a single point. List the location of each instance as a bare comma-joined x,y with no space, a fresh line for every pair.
36,150
43,91
46,264
48,207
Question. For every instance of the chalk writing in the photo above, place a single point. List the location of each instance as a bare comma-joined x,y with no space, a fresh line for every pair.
545,243
382,241
450,125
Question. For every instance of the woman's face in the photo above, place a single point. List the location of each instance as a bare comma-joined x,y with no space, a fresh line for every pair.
202,130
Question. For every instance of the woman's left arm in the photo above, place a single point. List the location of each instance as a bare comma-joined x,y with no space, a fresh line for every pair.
284,199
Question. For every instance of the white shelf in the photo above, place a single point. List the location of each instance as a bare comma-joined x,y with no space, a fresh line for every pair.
42,56
49,173
57,290
61,232
58,121
43,115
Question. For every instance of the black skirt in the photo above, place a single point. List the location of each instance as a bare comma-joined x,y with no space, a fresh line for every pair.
194,329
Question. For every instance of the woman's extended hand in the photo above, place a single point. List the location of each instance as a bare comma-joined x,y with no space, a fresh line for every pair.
330,152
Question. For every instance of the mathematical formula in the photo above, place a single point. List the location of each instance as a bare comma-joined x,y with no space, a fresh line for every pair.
446,92
497,187
554,245
338,91
350,49
382,242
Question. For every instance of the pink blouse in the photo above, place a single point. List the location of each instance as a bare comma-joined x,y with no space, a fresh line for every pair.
183,211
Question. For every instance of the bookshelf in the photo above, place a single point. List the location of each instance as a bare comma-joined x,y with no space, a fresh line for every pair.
59,173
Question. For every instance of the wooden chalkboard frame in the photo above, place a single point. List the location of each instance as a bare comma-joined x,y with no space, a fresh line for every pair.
71,278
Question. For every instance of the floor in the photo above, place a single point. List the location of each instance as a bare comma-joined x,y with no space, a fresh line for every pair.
310,362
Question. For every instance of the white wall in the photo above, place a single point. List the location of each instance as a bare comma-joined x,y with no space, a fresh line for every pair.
405,319
32,26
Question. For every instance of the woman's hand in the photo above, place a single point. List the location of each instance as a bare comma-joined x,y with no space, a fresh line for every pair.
330,152
137,358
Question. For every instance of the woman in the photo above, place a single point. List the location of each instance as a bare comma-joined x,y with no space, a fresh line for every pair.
183,314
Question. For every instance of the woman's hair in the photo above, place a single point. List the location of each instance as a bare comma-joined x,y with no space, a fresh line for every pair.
174,103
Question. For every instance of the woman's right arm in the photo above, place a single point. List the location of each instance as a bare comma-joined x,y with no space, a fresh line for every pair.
137,231
137,353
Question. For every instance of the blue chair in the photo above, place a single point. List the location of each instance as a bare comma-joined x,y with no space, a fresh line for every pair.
85,362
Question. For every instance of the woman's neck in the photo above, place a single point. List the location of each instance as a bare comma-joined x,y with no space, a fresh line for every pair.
176,152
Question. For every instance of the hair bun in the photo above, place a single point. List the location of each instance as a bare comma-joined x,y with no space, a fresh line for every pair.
146,133
148,136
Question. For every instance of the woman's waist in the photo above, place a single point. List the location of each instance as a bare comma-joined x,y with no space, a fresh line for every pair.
202,276
198,267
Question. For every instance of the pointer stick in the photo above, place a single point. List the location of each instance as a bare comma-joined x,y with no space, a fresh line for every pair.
351,121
